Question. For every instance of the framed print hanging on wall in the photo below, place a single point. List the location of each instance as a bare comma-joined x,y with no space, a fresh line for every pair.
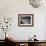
25,19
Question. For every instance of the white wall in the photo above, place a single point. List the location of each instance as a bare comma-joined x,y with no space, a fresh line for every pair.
11,8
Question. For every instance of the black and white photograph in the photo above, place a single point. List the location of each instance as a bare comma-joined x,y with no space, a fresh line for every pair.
25,19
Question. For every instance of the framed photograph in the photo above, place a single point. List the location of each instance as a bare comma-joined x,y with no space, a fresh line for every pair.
25,20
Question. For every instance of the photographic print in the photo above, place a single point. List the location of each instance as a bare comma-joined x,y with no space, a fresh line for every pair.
25,19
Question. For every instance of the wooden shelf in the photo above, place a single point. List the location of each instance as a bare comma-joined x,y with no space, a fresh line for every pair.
24,42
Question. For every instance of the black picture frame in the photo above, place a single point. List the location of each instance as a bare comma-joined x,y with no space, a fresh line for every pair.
25,20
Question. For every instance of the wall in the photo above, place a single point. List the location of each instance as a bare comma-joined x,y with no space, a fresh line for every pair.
11,8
